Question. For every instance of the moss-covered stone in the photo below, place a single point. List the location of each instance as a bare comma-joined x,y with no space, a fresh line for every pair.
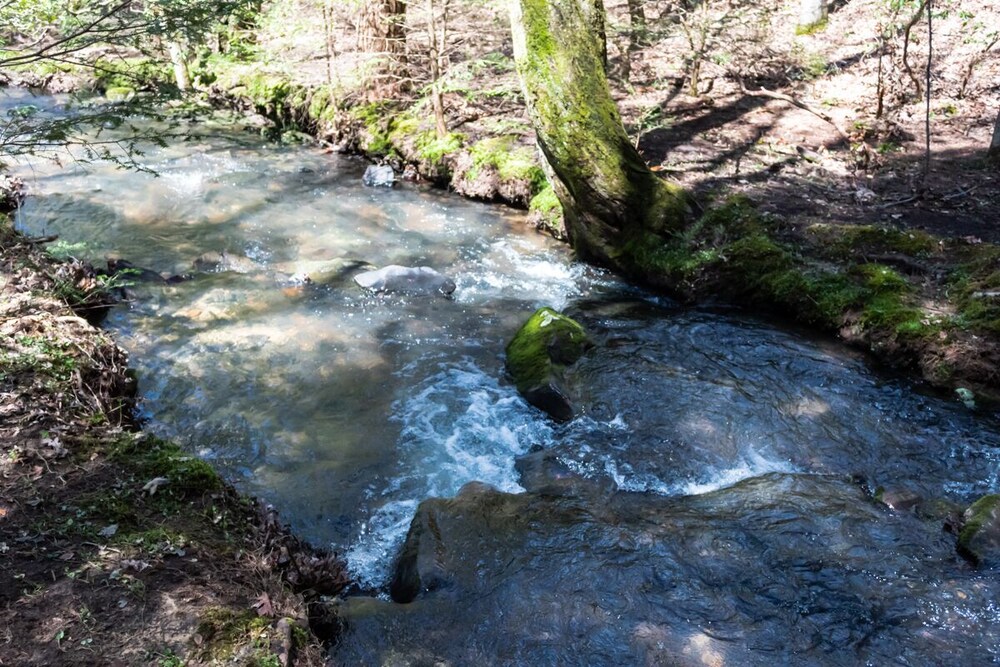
979,539
537,355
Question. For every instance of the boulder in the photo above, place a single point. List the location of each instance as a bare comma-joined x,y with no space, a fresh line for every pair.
537,356
782,569
979,539
379,176
420,280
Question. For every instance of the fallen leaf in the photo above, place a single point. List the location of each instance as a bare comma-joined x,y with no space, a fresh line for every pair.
108,531
137,565
154,484
263,605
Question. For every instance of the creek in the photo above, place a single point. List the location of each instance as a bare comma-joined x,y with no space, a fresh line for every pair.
712,505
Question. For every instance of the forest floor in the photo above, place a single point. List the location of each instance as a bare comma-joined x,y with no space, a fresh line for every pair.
117,548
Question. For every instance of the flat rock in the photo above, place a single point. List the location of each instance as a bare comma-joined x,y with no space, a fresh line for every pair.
419,280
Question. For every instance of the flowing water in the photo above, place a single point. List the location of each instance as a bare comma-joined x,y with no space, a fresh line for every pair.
711,505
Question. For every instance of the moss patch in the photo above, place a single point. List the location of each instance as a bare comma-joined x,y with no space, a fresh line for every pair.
547,211
733,251
509,160
979,539
537,355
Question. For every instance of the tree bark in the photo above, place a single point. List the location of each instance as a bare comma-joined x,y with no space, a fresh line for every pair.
994,151
634,36
179,63
812,13
438,44
610,198
382,33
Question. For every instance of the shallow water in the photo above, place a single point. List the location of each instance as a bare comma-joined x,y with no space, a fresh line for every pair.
346,410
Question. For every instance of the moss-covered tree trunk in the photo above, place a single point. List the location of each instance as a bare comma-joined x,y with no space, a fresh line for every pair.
609,196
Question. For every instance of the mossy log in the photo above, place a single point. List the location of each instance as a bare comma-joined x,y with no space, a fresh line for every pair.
609,195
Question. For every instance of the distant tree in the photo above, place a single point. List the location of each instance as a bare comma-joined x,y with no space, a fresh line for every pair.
812,14
437,31
609,196
382,33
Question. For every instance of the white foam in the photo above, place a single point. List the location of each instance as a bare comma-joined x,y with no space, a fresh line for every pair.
459,425
538,276
753,465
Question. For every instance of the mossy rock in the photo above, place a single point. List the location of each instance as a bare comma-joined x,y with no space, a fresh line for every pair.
119,93
979,540
537,356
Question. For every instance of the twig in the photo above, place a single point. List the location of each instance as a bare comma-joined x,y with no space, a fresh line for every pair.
764,92
960,193
38,240
899,202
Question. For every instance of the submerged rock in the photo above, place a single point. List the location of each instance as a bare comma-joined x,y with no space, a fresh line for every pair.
420,280
337,272
537,355
129,272
979,540
225,261
379,176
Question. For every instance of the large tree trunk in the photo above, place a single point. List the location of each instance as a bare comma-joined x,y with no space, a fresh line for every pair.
994,151
382,33
610,197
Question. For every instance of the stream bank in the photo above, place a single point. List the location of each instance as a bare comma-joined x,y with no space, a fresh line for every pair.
118,548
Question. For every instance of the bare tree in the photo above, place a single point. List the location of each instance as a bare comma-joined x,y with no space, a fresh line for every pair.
437,31
382,33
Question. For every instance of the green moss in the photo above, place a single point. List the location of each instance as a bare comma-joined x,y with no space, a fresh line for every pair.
548,339
511,161
225,633
975,286
138,74
846,241
547,207
152,458
434,149
980,515
812,28
324,104
731,251
376,119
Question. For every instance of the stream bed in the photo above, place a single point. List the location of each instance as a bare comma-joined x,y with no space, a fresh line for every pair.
712,505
